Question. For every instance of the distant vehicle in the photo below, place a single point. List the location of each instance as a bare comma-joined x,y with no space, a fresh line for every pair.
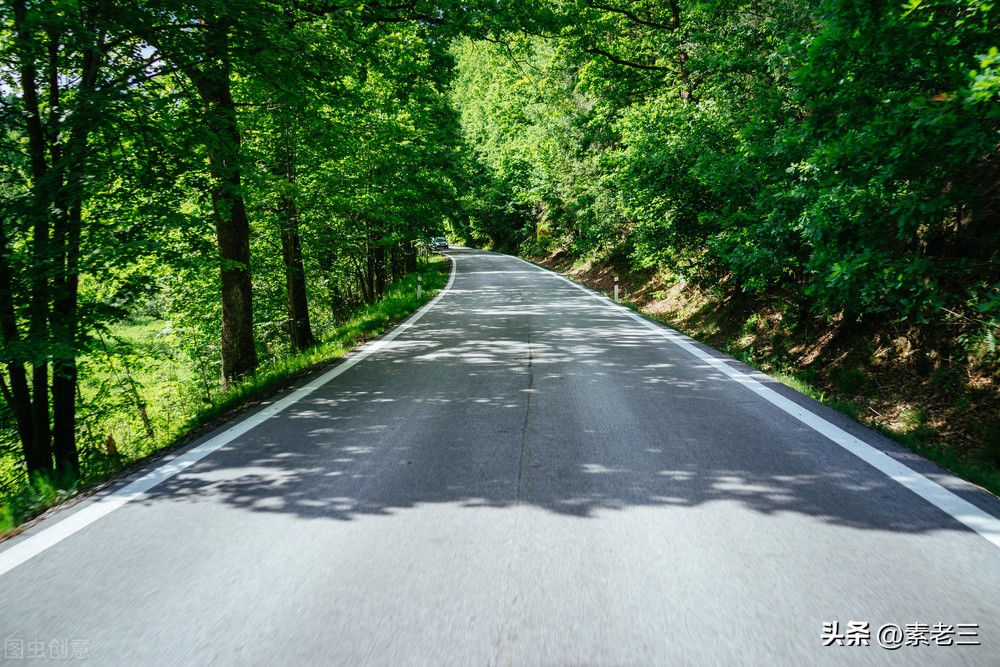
439,243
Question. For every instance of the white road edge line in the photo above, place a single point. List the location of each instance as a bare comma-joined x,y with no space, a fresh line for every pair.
962,510
31,546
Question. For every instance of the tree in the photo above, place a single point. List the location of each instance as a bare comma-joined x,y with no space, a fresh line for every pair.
69,66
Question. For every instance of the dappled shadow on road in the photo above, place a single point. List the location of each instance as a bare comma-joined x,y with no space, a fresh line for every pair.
519,391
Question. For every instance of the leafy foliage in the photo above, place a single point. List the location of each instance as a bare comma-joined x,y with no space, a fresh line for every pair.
843,152
259,169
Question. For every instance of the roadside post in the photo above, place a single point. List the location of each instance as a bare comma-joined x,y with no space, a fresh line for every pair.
420,285
616,289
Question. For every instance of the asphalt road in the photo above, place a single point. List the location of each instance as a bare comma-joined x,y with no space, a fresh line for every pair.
527,475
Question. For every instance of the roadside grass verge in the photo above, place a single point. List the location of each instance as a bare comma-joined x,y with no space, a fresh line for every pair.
399,302
129,430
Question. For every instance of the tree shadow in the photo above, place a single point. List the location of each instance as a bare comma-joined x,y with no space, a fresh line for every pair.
502,396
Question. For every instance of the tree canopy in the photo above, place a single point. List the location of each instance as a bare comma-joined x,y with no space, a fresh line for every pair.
845,152
247,172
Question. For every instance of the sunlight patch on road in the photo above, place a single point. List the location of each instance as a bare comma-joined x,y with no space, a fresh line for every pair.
598,469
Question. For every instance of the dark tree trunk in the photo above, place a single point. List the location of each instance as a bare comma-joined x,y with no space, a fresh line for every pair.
17,394
66,282
398,269
291,250
410,260
64,377
239,353
380,266
295,280
368,276
335,301
38,455
64,329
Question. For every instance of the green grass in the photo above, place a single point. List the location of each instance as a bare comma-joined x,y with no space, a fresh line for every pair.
793,381
30,499
399,301
137,363
980,472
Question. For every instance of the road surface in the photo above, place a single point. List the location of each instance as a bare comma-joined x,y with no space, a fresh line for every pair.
527,474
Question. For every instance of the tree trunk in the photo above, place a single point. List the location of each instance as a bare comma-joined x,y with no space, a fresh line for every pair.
291,250
64,330
38,455
239,353
380,266
398,268
368,276
295,279
66,240
17,395
335,301
410,258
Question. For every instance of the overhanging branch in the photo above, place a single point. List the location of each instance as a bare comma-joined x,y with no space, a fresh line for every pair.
593,50
632,16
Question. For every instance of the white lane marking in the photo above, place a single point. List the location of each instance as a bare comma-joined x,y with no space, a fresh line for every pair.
31,546
962,510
